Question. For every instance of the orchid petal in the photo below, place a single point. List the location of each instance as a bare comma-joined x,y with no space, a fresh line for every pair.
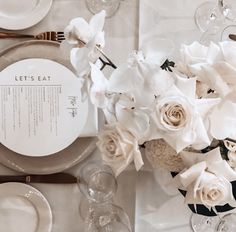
97,21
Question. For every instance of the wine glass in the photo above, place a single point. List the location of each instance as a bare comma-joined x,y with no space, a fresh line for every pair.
97,182
210,15
227,223
106,217
230,29
200,223
110,6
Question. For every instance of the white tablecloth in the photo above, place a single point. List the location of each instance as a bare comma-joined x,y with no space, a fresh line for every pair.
157,209
148,206
122,37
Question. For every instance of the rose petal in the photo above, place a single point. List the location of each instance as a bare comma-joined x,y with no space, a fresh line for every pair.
225,114
190,175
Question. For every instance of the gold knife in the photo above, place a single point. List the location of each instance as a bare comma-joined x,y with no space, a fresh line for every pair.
232,37
57,178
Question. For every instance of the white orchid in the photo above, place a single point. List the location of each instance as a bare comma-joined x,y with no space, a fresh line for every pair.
141,75
98,89
91,34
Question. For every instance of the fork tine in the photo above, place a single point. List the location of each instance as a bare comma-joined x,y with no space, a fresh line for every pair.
60,36
60,40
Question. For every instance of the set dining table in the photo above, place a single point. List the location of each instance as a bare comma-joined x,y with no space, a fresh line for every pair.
141,194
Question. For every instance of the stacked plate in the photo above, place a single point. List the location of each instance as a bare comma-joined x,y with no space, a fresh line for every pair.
42,115
17,15
50,143
26,207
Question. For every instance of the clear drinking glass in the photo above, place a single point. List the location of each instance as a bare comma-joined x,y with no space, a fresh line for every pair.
212,15
107,217
227,223
97,182
230,29
200,223
110,6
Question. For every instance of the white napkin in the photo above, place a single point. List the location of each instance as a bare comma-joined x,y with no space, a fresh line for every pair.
91,126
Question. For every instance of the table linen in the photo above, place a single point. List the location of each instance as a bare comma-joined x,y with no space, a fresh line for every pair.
122,38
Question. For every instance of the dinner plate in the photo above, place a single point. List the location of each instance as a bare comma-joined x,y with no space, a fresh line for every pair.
23,208
17,15
43,101
59,161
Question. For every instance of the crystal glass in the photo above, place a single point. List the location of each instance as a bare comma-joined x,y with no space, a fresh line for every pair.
227,223
201,223
230,29
212,15
97,182
107,217
110,6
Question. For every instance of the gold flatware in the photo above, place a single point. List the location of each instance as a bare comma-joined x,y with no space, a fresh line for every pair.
57,36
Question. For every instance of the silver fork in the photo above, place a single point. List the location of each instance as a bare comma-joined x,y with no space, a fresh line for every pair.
57,36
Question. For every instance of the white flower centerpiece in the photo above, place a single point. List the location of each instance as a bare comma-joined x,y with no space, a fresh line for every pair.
189,107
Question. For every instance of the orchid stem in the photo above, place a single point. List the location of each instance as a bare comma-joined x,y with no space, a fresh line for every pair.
109,62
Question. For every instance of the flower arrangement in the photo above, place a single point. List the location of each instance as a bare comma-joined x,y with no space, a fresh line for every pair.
184,114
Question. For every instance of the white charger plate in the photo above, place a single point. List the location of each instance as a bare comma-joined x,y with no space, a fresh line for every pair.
21,14
59,161
31,201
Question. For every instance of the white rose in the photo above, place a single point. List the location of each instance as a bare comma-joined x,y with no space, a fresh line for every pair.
178,116
173,113
119,148
213,190
206,179
173,121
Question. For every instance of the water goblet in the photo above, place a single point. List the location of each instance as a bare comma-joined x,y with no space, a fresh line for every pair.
110,6
227,223
107,217
200,223
97,182
230,29
211,16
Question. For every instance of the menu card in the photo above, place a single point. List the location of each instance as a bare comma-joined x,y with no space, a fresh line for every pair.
41,110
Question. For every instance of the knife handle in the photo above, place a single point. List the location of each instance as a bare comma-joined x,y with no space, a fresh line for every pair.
22,179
